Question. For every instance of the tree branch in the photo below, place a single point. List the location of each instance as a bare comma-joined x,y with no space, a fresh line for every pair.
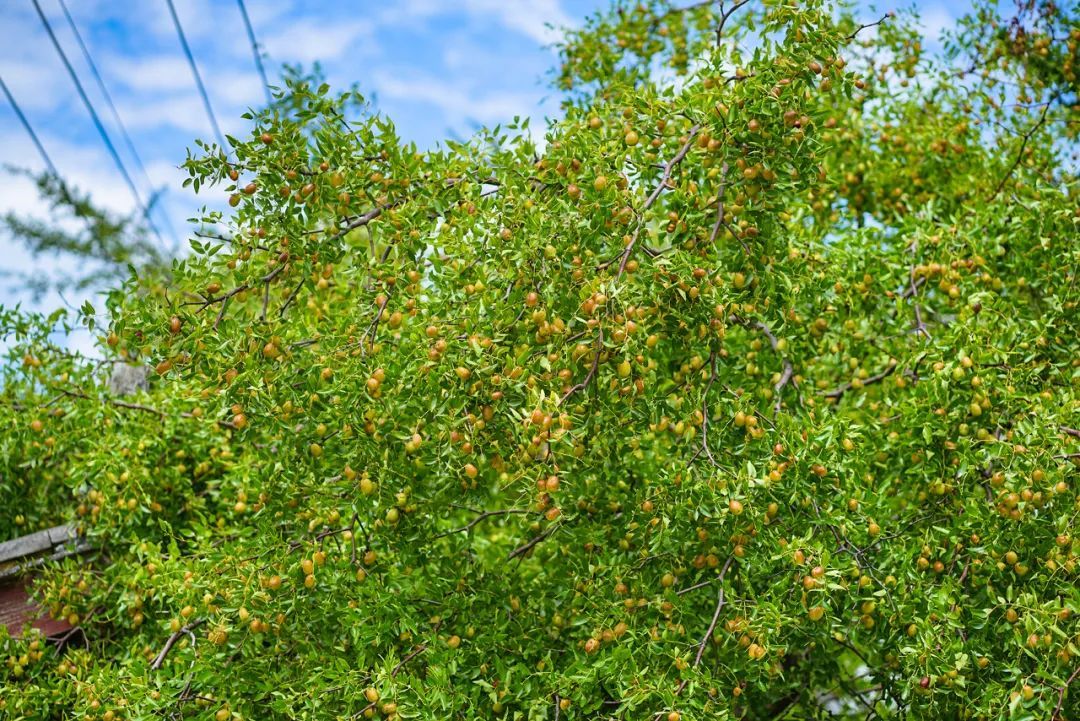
291,298
705,414
364,219
788,372
592,371
838,392
483,515
712,624
1061,695
401,664
724,18
1023,146
859,29
224,298
176,636
526,547
719,204
670,166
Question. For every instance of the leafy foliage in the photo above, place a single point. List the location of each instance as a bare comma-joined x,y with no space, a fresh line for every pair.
750,392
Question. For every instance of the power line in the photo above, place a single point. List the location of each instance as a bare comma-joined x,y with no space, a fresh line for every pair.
198,78
105,93
97,122
109,101
255,50
29,129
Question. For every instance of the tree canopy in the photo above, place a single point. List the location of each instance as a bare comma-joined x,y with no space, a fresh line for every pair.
748,388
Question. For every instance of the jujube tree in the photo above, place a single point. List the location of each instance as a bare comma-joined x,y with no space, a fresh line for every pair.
746,389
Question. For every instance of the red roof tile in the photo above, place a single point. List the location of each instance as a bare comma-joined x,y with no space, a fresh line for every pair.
17,609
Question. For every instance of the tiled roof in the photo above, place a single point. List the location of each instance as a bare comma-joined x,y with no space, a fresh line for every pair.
19,556
25,552
17,609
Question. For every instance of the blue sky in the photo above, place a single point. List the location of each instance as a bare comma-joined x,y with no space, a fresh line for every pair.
439,68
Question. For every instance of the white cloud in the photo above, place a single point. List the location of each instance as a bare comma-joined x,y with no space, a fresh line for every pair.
529,18
82,165
37,85
181,112
541,20
935,20
456,103
154,73
308,40
29,63
200,19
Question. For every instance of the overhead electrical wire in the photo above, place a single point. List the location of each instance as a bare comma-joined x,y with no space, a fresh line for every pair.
198,78
109,101
104,92
97,122
255,51
29,129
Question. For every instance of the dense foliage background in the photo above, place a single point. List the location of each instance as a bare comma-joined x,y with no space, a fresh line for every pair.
750,392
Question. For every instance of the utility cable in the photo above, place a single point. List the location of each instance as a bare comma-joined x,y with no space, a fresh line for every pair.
97,122
29,129
255,51
112,106
198,78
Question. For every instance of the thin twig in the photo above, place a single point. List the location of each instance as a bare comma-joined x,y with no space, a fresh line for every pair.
528,546
724,18
705,413
668,168
839,391
176,635
720,601
419,650
364,219
291,298
592,371
859,29
481,517
1023,146
1061,695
